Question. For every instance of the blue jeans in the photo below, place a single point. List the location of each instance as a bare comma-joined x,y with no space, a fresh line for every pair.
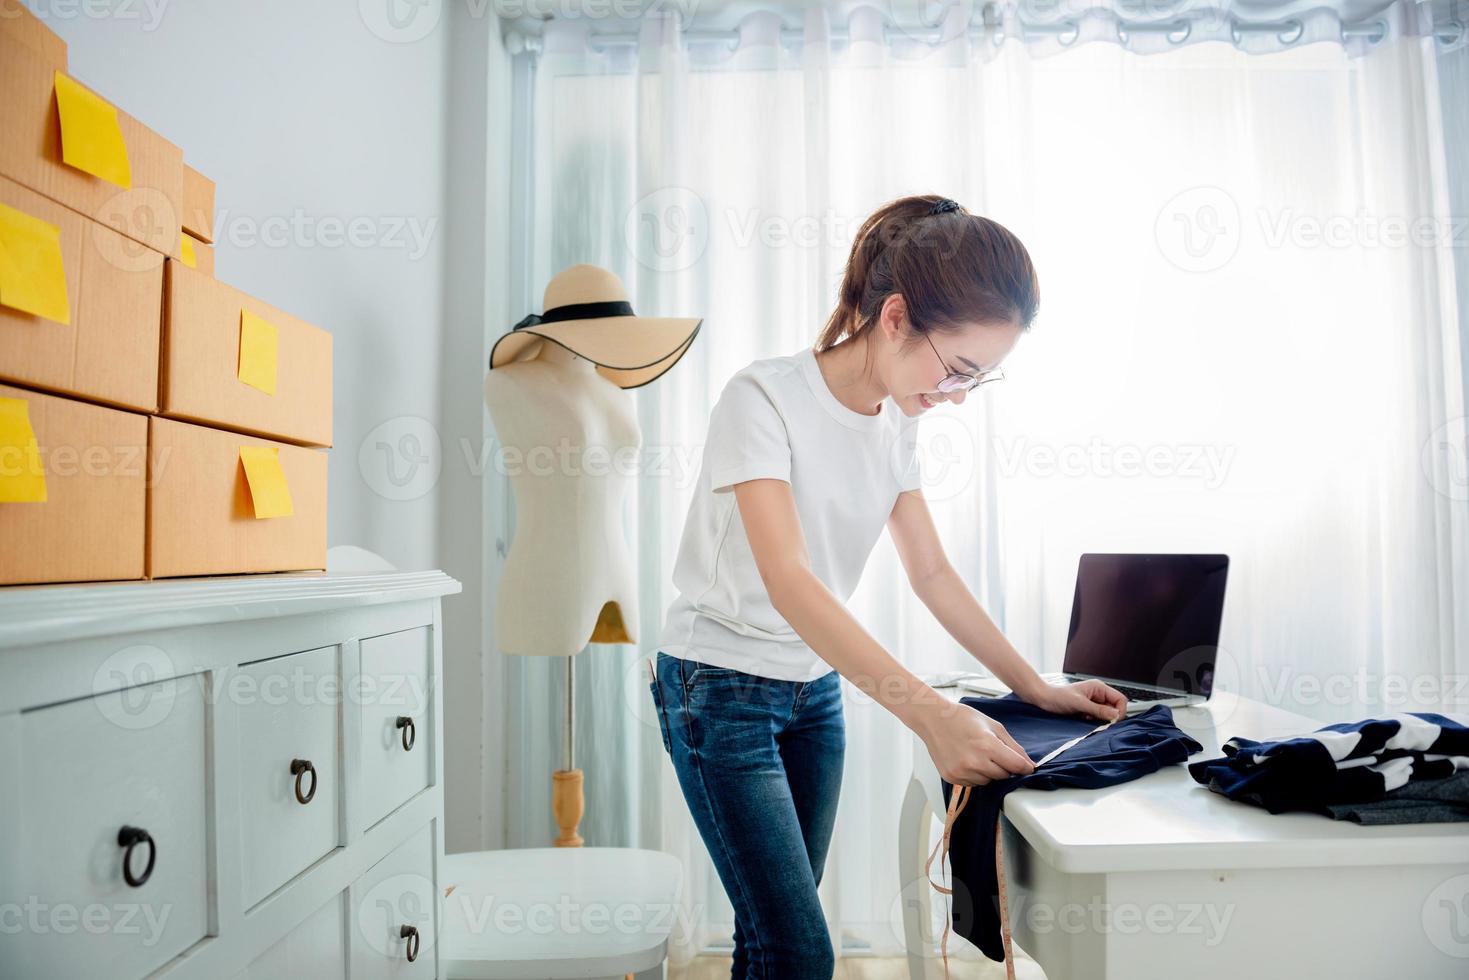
760,764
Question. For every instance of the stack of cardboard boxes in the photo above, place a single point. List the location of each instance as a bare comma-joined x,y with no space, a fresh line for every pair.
154,421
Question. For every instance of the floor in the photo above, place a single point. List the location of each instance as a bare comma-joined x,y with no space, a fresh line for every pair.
709,967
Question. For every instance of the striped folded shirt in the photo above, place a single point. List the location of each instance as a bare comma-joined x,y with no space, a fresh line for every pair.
1347,763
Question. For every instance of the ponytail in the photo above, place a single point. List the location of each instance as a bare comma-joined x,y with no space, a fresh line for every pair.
952,268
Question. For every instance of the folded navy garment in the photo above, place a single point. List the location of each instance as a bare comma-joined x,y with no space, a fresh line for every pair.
1125,750
1380,770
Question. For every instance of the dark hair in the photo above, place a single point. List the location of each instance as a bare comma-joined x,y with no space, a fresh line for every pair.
952,268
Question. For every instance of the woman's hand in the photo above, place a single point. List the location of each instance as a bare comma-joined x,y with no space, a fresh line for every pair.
970,748
1092,698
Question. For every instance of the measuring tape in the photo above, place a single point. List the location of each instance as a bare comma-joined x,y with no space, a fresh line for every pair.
958,797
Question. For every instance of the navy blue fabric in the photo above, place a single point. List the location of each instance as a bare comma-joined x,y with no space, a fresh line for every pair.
1132,747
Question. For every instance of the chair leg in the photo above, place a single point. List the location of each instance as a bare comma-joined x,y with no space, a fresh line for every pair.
915,822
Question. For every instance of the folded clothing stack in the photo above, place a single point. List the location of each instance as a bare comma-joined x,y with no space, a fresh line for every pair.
1404,768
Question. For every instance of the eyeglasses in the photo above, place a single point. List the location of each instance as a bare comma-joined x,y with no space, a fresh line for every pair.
958,381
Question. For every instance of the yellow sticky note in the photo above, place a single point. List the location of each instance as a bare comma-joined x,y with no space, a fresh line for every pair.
268,489
22,474
186,249
32,278
257,352
91,139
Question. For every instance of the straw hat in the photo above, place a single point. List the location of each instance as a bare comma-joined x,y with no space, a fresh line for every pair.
587,312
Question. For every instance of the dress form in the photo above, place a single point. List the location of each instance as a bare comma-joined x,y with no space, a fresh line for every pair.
570,439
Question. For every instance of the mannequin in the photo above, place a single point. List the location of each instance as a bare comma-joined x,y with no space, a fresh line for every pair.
556,392
570,439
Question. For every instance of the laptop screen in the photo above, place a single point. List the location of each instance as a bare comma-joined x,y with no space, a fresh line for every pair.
1148,619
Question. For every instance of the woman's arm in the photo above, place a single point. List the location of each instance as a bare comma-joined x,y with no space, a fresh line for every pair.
967,747
941,589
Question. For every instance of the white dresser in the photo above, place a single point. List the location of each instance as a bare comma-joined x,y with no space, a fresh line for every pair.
222,778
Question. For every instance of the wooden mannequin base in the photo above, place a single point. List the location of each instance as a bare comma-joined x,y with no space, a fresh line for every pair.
566,806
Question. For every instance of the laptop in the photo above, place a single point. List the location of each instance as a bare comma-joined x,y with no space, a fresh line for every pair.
1148,625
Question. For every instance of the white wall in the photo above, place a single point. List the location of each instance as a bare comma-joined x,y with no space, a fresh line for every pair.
315,118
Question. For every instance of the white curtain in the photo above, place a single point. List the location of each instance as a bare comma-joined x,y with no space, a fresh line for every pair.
1247,343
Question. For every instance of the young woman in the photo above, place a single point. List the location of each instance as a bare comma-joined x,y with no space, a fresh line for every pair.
808,456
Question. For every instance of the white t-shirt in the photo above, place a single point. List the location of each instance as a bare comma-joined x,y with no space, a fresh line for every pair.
777,418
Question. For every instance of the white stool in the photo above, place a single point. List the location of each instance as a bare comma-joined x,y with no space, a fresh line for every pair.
558,913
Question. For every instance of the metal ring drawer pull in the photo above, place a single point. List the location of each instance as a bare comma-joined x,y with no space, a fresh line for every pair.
410,933
299,768
131,837
410,733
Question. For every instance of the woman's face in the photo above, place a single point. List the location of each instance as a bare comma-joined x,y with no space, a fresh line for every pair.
913,370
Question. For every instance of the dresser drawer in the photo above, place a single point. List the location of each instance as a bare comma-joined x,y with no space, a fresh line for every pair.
132,759
396,728
394,914
289,711
317,948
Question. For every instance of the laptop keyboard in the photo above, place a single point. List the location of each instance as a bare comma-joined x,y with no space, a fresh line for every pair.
1134,693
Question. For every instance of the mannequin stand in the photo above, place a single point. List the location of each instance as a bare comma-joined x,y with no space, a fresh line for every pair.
566,806
567,800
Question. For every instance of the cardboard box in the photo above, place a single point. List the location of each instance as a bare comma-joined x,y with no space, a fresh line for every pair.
90,527
203,254
25,27
30,154
201,514
200,366
198,216
114,288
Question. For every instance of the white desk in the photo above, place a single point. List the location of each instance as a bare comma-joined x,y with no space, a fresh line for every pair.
1161,877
